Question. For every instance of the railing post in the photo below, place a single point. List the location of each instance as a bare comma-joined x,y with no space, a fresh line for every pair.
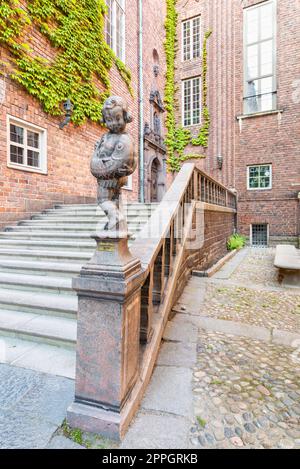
108,337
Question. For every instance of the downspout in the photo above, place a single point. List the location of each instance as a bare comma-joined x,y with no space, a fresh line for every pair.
141,106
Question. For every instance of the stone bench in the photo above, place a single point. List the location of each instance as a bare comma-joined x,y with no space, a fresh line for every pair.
287,261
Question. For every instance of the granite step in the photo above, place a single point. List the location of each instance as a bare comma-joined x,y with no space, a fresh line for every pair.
56,245
40,268
38,259
42,255
39,303
40,328
36,283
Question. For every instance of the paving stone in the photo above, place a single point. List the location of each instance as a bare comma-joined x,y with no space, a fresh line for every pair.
236,441
249,427
228,432
170,391
157,431
177,354
61,442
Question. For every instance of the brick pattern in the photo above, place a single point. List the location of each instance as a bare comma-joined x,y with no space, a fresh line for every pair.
218,227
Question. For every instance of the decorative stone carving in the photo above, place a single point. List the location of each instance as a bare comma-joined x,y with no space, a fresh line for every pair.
114,159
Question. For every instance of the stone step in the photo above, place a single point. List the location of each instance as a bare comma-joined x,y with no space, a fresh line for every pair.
42,234
39,303
38,259
36,283
29,226
34,254
132,205
81,219
31,267
42,357
56,245
40,328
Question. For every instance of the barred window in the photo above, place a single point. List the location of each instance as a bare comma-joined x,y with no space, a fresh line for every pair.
191,102
115,27
26,146
191,30
260,53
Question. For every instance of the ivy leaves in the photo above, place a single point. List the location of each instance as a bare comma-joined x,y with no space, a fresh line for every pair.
81,61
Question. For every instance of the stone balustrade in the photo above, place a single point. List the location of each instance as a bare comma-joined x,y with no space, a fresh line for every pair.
122,316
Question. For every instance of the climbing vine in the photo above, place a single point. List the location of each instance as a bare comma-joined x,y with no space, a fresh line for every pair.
178,138
79,69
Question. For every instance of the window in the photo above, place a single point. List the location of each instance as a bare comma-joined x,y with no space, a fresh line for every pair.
26,146
191,39
259,58
260,177
191,101
259,235
115,27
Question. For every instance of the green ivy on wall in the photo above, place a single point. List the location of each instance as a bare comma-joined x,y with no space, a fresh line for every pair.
178,138
75,29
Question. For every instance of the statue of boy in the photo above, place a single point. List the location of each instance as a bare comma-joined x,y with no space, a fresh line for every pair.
114,159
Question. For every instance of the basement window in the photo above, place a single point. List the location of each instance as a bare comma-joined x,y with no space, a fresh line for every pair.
27,146
259,235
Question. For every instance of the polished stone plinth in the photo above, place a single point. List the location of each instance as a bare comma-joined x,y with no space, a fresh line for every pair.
107,362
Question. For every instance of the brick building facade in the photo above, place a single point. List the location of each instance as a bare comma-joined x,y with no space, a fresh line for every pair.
257,138
66,177
258,145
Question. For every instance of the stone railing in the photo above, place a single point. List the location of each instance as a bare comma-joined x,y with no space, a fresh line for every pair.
188,230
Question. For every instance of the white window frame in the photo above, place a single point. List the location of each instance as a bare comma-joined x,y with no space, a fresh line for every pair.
192,43
113,45
42,169
192,102
259,188
259,42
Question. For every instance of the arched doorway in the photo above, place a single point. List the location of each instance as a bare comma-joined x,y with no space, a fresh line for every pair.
154,180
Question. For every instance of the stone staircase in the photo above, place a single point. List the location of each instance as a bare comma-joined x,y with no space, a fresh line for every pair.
38,259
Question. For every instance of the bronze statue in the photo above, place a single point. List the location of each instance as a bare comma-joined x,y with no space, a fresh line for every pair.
113,161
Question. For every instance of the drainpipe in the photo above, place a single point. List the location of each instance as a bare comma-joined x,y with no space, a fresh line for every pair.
141,106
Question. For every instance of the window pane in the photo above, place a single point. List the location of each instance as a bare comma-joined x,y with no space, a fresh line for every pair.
120,23
266,21
252,25
252,62
253,183
33,139
266,58
187,102
196,101
109,23
266,87
196,38
254,171
16,134
16,154
33,158
186,40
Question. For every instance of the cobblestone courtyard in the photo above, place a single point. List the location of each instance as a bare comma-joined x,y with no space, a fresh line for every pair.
247,391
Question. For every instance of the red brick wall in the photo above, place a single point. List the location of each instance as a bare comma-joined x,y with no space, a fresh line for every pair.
69,151
218,227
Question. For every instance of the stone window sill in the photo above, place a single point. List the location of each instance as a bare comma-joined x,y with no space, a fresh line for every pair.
259,114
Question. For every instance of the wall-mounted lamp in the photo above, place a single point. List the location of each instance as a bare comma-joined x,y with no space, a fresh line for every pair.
220,161
68,108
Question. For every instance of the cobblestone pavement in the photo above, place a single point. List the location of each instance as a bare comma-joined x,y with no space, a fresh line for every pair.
246,391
